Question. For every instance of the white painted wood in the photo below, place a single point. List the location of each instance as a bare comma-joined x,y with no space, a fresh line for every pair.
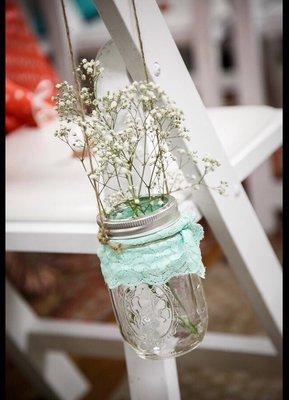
83,338
88,37
52,237
56,33
261,181
266,203
272,20
248,52
50,207
249,135
44,177
223,350
234,352
234,222
251,90
58,334
226,352
206,53
156,379
104,340
238,343
52,373
229,351
45,338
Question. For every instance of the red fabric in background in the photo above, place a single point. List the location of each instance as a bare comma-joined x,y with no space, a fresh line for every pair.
18,103
26,67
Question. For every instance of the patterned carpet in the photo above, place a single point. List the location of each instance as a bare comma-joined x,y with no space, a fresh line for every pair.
71,287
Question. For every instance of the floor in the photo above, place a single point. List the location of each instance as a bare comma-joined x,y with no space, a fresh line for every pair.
71,287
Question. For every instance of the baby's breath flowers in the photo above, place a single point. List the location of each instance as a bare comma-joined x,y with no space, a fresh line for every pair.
129,136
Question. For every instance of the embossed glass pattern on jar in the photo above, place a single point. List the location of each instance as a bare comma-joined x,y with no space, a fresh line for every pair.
162,321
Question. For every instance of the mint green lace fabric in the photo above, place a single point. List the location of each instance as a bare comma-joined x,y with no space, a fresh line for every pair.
156,258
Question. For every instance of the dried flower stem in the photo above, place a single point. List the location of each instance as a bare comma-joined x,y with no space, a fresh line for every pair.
129,137
80,102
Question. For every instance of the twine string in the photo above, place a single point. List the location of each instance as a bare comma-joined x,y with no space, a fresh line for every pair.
103,235
147,80
119,247
73,62
140,42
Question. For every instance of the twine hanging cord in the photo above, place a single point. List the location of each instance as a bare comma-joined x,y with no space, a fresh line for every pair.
102,236
140,42
147,80
120,247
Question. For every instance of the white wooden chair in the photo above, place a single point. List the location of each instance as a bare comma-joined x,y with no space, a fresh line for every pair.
199,25
50,208
251,21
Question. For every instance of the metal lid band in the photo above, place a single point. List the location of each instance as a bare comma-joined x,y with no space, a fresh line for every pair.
126,228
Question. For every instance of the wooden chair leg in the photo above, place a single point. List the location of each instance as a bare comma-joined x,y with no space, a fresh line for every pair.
154,379
53,373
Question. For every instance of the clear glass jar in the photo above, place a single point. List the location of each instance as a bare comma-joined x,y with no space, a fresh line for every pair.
158,321
162,321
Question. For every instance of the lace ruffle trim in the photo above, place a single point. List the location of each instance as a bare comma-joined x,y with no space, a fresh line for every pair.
154,261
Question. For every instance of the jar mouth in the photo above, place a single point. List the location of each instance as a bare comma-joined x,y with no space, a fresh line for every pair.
132,209
127,227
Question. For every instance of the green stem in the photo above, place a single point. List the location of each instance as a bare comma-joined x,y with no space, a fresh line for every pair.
186,323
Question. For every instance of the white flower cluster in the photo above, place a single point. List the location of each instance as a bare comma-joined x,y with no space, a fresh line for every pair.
89,69
222,188
128,136
66,101
210,163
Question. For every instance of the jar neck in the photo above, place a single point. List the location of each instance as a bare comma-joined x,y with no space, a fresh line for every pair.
142,226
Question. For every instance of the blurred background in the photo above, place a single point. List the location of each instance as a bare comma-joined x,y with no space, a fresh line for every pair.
233,51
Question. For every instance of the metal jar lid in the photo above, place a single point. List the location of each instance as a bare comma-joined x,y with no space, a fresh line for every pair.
126,228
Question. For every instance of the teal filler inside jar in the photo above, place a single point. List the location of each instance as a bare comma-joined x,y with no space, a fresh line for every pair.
154,280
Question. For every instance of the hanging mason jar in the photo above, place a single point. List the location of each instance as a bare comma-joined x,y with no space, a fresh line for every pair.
153,269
